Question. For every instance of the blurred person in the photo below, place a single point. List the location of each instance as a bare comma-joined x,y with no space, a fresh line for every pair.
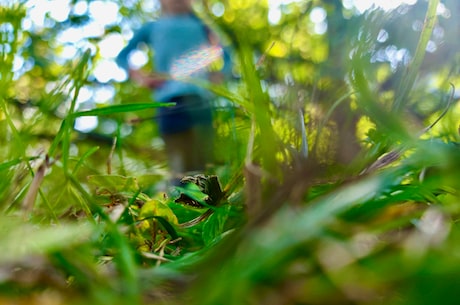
183,46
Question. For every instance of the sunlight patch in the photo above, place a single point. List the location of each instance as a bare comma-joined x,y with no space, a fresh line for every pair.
86,124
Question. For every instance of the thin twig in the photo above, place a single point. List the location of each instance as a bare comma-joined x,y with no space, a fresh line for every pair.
261,60
197,220
155,256
31,196
109,160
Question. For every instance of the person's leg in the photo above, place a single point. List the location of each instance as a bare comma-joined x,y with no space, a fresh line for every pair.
202,150
188,135
177,146
175,130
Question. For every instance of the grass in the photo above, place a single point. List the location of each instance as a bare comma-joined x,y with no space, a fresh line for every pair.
277,228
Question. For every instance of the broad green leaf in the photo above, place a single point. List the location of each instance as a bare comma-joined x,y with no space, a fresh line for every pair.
156,208
162,213
214,225
193,191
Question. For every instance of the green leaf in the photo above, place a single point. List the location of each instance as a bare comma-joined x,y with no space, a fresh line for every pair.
193,192
161,212
214,225
114,183
120,109
156,208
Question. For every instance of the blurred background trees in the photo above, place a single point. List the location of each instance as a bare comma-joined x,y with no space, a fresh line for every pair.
303,51
306,47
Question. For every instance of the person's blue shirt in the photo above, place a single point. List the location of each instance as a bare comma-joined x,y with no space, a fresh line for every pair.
172,37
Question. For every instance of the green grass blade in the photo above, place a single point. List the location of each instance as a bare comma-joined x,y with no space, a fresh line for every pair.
85,156
412,71
11,163
261,114
119,109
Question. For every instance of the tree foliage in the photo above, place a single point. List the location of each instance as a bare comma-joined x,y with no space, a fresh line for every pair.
336,180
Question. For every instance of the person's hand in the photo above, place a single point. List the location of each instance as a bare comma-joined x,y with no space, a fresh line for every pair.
152,81
216,77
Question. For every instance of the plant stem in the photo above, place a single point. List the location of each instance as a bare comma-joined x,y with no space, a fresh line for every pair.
412,71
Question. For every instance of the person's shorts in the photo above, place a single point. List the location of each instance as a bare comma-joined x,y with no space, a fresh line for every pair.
189,111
